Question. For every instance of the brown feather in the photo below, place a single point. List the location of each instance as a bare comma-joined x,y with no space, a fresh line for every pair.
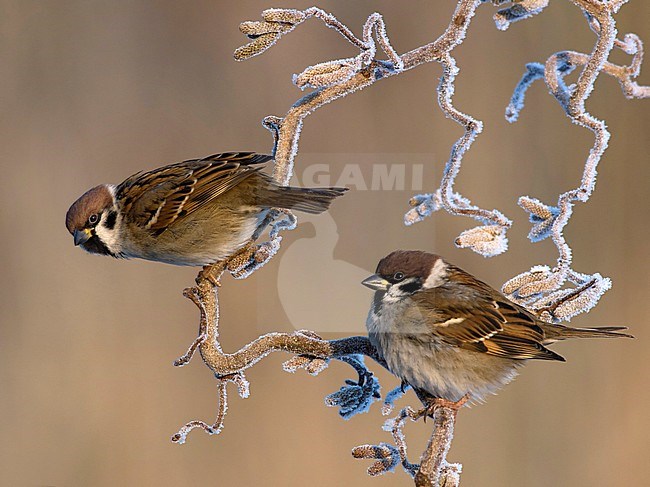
156,199
477,317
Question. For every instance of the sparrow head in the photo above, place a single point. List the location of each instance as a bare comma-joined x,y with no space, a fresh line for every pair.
405,272
92,219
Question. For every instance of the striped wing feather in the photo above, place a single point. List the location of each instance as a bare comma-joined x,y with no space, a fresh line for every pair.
502,328
156,199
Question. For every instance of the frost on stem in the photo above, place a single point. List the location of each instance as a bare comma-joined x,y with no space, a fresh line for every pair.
355,397
541,289
433,469
217,426
490,238
519,10
338,78
392,396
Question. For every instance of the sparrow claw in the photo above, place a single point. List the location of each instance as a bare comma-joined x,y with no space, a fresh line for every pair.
439,402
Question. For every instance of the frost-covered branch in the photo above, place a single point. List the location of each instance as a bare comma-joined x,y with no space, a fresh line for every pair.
338,78
541,289
433,469
312,352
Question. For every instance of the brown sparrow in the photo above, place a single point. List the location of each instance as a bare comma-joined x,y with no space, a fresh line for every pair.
449,335
192,213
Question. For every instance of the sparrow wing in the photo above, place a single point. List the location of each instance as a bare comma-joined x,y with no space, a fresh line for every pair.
155,199
483,320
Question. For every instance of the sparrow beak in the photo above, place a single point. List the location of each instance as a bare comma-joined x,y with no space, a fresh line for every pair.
81,236
376,283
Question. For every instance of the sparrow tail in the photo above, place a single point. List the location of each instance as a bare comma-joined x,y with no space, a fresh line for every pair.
309,200
559,332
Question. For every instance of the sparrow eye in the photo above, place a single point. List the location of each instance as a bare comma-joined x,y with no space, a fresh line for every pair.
93,219
398,276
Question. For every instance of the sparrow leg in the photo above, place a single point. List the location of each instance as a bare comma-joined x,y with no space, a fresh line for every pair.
212,272
431,403
439,402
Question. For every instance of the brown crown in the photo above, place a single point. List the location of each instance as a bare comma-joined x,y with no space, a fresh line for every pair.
413,263
92,201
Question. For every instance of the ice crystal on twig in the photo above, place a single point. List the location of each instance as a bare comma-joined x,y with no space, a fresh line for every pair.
214,429
487,240
434,468
337,78
395,427
392,397
541,215
355,397
312,365
425,204
534,71
541,289
519,10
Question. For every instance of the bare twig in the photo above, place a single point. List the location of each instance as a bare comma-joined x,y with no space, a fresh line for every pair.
396,428
433,469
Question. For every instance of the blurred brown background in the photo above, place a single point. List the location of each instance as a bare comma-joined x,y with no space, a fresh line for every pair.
92,91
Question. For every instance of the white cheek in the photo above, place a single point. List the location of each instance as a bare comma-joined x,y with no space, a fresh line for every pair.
437,274
110,237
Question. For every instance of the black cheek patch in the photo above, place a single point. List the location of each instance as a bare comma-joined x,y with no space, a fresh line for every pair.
410,287
110,220
95,246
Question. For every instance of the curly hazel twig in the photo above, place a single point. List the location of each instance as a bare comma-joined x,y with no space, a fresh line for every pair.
336,79
539,289
229,367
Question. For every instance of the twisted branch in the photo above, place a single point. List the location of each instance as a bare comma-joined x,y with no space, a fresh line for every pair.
336,79
540,288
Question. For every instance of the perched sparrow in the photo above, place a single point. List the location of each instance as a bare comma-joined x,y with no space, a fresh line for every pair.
191,213
451,336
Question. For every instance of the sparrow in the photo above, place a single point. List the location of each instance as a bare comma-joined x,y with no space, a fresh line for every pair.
451,336
193,213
